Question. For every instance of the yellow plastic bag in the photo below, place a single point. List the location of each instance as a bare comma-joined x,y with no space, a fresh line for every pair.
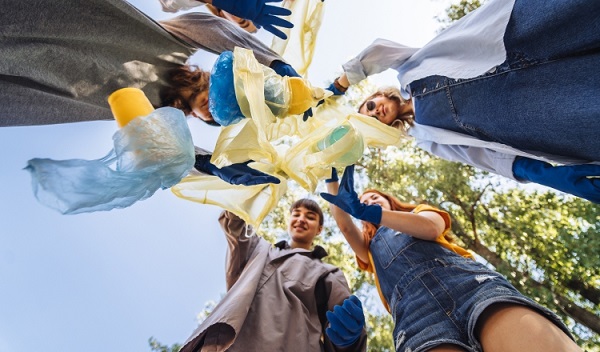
288,148
251,203
298,50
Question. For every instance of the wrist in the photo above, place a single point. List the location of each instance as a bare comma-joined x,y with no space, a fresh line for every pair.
339,86
373,214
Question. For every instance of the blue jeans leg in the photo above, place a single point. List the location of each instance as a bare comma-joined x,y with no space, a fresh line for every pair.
545,97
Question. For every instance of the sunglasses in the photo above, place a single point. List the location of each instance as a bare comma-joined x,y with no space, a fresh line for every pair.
370,105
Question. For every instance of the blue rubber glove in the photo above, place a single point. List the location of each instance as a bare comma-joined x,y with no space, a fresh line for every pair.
568,178
334,176
348,201
283,69
346,322
259,12
236,174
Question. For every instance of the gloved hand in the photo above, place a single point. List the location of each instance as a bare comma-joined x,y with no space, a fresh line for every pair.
348,201
333,88
258,12
345,322
283,69
334,176
236,174
568,178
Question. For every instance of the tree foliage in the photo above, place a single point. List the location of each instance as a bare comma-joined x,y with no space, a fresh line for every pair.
156,346
459,10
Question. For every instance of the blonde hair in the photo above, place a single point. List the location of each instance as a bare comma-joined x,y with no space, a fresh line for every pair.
402,121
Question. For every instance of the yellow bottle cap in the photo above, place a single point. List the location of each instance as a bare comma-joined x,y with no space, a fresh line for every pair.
302,98
128,103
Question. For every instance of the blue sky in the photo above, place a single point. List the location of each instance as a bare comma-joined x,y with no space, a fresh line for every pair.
107,281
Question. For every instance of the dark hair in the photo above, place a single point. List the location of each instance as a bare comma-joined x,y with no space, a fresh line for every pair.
310,205
405,120
368,229
189,79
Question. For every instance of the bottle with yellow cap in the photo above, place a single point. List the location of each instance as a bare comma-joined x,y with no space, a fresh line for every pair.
153,149
283,95
127,104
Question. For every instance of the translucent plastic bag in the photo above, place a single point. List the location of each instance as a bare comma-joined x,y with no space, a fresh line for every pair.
149,153
298,50
288,148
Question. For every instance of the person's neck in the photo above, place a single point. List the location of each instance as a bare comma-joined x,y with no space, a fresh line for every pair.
301,245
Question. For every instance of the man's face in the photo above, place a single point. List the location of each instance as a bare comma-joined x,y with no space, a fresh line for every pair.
303,225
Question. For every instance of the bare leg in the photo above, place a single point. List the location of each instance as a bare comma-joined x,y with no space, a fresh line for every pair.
507,327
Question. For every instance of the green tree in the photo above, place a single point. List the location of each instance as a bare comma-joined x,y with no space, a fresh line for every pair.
156,346
459,10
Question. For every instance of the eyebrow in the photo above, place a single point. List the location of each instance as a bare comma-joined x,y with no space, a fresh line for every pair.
310,212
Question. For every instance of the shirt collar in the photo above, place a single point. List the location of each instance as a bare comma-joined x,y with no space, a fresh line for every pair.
318,252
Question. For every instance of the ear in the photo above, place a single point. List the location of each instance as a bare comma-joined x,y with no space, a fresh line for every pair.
319,230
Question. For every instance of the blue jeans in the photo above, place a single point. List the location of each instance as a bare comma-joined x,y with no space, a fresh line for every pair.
544,97
437,296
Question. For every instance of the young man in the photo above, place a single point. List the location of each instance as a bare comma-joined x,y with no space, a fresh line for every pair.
279,295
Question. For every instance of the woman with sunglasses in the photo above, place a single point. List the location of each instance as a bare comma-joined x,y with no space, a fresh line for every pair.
509,88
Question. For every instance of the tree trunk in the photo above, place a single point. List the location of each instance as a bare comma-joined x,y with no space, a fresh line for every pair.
581,315
592,294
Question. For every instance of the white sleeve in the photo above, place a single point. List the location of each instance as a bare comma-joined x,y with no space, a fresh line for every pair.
481,158
381,55
178,5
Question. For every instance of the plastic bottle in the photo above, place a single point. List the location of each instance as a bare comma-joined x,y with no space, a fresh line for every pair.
352,155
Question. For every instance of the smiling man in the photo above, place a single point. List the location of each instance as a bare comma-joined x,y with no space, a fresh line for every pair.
278,295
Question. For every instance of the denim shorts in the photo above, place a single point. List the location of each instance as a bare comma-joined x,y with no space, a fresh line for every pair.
440,302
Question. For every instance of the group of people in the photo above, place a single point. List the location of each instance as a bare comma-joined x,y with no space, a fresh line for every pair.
512,89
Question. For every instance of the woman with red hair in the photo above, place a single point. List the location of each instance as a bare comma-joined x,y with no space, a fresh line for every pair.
440,298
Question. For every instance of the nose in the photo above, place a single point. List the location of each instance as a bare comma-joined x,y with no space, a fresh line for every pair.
301,219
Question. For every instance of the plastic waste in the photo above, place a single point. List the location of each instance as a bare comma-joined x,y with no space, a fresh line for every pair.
251,203
288,148
298,50
150,152
222,102
282,95
350,156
